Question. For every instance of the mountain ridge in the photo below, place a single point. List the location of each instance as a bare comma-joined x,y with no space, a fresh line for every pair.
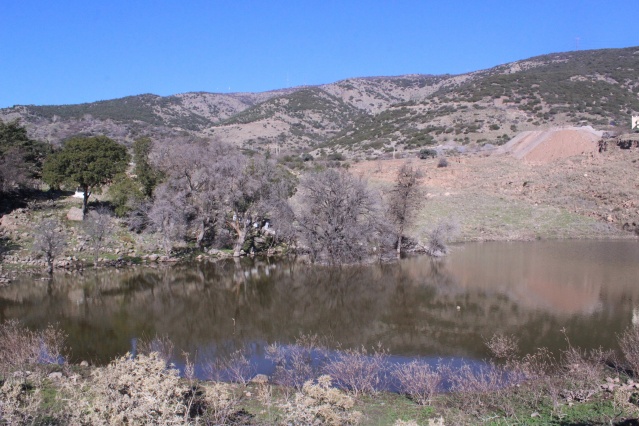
370,116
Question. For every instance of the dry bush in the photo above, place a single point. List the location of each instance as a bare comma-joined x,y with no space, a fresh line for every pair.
502,347
358,370
235,368
480,390
419,380
478,380
19,402
160,344
439,236
48,242
629,343
98,227
23,348
296,364
584,371
220,404
130,391
533,366
319,404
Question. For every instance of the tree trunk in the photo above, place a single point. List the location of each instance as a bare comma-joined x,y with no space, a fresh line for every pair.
400,233
50,265
239,242
85,200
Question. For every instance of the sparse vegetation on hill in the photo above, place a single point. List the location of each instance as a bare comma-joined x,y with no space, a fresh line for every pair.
373,115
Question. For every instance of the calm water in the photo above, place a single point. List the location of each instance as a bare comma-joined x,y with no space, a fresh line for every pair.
417,307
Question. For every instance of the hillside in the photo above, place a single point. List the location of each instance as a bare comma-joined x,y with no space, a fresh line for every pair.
133,116
368,117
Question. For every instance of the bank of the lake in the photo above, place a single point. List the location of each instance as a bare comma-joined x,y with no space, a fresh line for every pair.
430,311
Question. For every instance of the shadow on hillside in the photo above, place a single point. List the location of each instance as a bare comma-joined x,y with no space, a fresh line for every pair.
29,199
7,245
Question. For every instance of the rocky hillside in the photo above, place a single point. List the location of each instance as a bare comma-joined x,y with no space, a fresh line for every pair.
367,117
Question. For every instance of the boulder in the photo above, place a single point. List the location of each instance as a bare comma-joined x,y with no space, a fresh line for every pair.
56,375
75,214
260,379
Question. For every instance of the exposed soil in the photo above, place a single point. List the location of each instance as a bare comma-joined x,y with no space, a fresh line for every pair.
544,146
552,184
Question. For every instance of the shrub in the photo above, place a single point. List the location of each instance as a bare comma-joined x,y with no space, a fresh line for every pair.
162,345
235,368
296,364
132,391
502,347
426,153
443,162
18,403
358,370
319,403
419,380
439,236
22,348
629,343
477,380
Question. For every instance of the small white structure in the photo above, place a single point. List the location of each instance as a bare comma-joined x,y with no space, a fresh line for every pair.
78,194
635,122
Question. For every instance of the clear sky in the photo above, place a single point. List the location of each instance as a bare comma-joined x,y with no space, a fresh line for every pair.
73,51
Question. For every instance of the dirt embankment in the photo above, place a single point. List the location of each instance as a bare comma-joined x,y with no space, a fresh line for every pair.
552,184
544,146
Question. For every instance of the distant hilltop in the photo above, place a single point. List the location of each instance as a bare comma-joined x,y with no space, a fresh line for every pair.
371,117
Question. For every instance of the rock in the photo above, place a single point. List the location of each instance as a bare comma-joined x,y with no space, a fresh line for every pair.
56,375
259,379
153,257
75,214
84,364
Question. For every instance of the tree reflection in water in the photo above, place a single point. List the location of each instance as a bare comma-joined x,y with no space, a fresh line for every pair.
416,307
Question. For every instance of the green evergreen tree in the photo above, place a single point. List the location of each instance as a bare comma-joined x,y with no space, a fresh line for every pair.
146,174
86,162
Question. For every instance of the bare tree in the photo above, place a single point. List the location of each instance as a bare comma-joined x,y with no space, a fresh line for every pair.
221,189
338,217
404,200
439,236
203,173
259,191
49,241
168,216
98,227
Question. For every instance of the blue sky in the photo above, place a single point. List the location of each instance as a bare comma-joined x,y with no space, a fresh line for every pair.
68,51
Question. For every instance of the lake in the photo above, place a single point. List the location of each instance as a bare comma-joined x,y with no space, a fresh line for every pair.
418,307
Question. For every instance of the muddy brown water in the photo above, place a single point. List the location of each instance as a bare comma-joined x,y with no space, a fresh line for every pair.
415,308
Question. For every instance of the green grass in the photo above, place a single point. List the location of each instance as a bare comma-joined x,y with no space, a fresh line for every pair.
483,217
387,408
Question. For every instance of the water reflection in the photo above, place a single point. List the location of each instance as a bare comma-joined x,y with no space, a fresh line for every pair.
417,307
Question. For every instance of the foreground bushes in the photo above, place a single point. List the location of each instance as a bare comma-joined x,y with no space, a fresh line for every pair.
318,387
